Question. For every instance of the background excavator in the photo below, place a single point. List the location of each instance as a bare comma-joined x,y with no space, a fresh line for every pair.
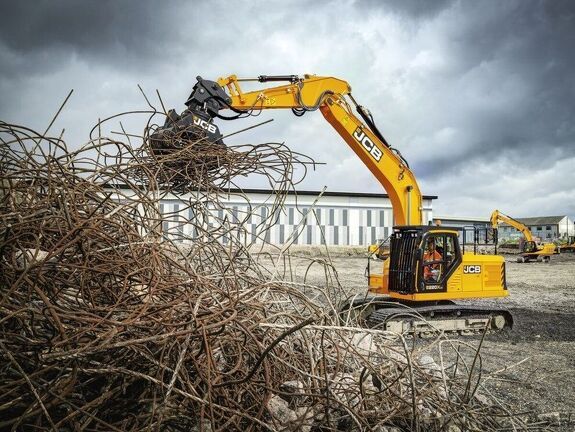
530,250
569,246
379,249
409,276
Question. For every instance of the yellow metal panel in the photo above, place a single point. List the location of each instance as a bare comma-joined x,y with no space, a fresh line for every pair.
448,295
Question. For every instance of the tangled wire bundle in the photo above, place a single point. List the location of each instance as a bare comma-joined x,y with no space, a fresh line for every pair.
105,324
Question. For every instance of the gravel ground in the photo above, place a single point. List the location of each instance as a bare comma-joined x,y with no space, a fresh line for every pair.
537,356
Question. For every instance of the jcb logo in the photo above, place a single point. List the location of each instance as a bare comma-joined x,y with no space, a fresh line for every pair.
368,144
472,269
205,125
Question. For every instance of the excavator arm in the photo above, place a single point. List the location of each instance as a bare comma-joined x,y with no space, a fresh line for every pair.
497,217
329,95
332,97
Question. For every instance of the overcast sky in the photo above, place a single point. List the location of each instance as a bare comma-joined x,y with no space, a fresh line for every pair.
479,96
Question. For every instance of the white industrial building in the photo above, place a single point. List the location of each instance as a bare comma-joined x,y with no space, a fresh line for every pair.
544,227
305,218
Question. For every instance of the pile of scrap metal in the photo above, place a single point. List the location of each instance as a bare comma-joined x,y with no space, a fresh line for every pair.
106,324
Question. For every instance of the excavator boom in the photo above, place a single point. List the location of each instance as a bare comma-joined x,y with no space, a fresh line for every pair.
497,217
329,94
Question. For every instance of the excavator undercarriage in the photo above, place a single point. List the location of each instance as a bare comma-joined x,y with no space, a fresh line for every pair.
424,319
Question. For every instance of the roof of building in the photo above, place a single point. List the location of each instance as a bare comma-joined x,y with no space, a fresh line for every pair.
308,192
531,221
328,193
541,220
462,218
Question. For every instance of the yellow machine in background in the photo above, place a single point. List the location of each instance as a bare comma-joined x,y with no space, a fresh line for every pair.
379,249
531,250
408,277
569,246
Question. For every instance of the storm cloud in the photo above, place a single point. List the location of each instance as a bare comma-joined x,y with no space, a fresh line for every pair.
478,96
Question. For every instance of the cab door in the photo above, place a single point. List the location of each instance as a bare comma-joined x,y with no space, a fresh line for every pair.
439,259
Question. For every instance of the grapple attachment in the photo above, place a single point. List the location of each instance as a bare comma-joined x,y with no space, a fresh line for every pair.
195,124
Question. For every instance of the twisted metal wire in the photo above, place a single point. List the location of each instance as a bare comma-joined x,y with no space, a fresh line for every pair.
107,324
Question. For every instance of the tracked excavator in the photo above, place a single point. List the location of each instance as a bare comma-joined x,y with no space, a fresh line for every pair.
379,249
569,246
531,250
413,291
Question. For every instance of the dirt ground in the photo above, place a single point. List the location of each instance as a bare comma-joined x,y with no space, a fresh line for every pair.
537,356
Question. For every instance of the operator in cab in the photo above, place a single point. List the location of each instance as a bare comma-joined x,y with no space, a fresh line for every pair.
430,270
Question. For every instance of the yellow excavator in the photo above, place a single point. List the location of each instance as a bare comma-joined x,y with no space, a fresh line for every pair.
531,250
427,269
379,249
569,246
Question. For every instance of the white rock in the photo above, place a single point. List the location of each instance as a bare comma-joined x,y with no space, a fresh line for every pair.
427,363
28,256
305,416
363,344
280,411
553,418
482,399
286,419
291,392
292,387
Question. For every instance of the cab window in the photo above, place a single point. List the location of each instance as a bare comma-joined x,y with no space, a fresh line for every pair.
438,257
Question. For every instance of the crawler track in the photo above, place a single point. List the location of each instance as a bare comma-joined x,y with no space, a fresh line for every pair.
427,319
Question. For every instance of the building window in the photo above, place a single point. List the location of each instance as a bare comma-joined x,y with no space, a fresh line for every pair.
331,216
290,215
548,227
539,228
345,217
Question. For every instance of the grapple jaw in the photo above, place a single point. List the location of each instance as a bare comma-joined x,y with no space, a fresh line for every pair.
195,124
182,130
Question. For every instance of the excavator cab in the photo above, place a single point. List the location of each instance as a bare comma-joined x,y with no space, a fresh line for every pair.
422,259
431,263
529,246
